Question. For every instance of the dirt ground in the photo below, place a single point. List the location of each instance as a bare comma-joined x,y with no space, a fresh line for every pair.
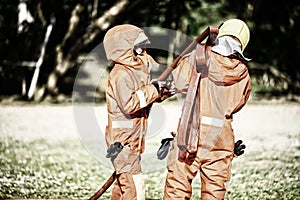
261,126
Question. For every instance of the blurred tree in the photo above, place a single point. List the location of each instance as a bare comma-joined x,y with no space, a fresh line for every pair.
274,43
80,25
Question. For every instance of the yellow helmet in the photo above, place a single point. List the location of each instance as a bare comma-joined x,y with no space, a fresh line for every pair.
236,28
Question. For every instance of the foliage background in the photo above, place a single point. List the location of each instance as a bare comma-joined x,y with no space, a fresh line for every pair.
78,26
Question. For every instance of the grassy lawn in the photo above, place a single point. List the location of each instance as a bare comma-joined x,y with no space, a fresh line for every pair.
41,169
47,169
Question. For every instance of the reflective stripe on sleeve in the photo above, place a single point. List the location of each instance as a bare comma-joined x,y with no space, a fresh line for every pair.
212,121
141,98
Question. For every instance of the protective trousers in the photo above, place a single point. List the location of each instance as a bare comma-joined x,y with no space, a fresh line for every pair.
214,166
129,186
178,185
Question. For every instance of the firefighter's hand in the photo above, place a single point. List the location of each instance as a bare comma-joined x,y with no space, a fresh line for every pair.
114,150
165,89
164,148
239,148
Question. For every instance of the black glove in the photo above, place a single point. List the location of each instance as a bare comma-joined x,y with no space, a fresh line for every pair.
239,148
165,89
114,150
164,148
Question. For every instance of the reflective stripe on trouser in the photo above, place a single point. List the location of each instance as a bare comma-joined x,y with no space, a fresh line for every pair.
128,186
213,176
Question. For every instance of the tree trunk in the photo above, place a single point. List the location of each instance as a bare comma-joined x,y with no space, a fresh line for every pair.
65,59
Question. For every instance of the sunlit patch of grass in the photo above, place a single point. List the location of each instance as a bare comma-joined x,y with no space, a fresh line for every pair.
266,175
43,169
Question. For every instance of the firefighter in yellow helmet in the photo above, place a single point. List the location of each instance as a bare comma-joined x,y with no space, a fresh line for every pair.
129,96
220,76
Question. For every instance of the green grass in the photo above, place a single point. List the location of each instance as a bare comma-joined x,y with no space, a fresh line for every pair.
41,169
44,169
266,175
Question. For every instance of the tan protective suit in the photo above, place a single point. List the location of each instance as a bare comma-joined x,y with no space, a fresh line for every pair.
222,91
129,96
